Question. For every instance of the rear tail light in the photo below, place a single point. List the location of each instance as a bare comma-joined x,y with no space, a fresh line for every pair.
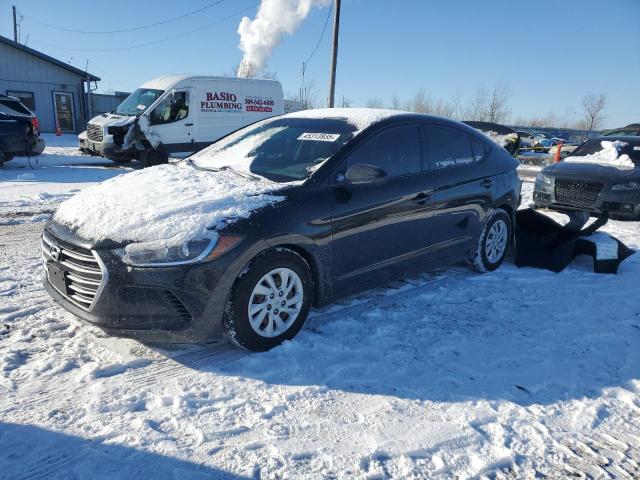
35,123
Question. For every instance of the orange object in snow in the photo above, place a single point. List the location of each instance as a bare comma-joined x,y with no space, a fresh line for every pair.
558,151
58,130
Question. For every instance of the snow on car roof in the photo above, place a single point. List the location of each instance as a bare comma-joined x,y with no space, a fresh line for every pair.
361,118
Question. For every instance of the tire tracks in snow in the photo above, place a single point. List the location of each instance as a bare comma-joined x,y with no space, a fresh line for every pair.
160,371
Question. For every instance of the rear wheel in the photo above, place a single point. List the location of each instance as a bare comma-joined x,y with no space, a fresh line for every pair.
493,243
270,301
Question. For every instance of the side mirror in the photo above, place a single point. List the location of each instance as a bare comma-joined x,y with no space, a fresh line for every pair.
362,173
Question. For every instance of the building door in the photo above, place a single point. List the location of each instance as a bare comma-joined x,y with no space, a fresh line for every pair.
63,108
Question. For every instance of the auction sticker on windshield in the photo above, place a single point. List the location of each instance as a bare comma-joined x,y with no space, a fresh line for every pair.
319,137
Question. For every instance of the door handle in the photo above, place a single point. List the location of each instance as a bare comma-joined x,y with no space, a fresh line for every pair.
188,124
488,182
421,198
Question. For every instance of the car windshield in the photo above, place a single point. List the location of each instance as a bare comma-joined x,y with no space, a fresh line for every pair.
281,150
138,101
609,149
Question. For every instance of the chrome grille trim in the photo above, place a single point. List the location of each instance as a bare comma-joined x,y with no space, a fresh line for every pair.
83,269
94,132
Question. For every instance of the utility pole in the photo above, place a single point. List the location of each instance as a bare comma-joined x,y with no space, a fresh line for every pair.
334,54
15,25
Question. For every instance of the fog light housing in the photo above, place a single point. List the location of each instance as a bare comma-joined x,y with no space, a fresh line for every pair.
627,207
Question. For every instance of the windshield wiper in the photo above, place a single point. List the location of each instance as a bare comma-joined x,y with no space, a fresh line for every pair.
225,168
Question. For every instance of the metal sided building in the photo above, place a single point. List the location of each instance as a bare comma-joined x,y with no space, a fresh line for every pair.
52,89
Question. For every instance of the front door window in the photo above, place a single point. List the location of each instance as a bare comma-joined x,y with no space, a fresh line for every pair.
63,103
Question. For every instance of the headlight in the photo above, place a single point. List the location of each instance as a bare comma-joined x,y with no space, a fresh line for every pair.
543,179
158,254
627,186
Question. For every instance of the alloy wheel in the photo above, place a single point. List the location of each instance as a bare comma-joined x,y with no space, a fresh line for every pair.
496,243
275,302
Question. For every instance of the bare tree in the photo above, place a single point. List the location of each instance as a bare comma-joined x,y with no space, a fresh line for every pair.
420,102
594,107
476,110
456,101
374,102
395,102
346,102
496,109
307,95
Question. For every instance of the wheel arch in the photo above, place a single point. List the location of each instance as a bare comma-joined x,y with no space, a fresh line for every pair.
314,267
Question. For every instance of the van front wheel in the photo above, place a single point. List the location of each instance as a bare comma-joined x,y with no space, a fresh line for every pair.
151,157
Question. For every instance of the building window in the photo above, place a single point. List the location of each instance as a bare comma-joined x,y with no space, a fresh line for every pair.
26,98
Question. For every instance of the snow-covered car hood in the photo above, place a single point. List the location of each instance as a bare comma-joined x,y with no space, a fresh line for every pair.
169,203
609,156
112,120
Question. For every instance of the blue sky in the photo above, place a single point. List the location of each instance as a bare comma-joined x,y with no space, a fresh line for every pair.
549,53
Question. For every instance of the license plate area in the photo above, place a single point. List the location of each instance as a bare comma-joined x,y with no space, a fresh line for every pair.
57,278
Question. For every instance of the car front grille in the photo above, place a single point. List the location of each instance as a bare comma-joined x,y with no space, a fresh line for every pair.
83,272
94,132
577,193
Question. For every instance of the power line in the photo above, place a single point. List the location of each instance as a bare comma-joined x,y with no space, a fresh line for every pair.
326,22
133,29
167,39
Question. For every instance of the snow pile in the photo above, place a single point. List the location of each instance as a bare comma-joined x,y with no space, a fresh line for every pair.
171,203
608,156
502,140
259,37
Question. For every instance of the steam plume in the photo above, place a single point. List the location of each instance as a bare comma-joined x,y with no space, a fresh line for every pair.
260,36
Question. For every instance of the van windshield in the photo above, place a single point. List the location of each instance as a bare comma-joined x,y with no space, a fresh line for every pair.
281,150
138,101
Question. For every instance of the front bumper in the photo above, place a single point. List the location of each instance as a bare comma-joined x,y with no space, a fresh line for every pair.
106,148
618,204
182,304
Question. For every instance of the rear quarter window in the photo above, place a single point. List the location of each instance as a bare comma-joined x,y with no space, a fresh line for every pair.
9,105
449,148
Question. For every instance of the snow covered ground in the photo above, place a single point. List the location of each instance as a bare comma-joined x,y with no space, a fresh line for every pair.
518,373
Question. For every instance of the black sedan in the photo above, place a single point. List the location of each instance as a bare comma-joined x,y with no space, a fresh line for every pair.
357,197
602,176
19,130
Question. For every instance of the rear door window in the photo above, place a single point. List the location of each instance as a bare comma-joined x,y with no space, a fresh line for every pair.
448,148
396,150
455,155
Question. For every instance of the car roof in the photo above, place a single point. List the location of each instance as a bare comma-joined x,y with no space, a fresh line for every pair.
363,118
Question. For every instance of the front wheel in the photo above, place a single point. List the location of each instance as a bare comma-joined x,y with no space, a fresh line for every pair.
151,157
493,243
269,301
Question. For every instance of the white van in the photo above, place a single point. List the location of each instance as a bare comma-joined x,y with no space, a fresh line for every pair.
179,113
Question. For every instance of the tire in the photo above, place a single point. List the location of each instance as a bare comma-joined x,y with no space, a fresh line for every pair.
494,242
151,157
120,161
252,289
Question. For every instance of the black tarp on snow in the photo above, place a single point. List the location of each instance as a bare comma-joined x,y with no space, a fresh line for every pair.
541,242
